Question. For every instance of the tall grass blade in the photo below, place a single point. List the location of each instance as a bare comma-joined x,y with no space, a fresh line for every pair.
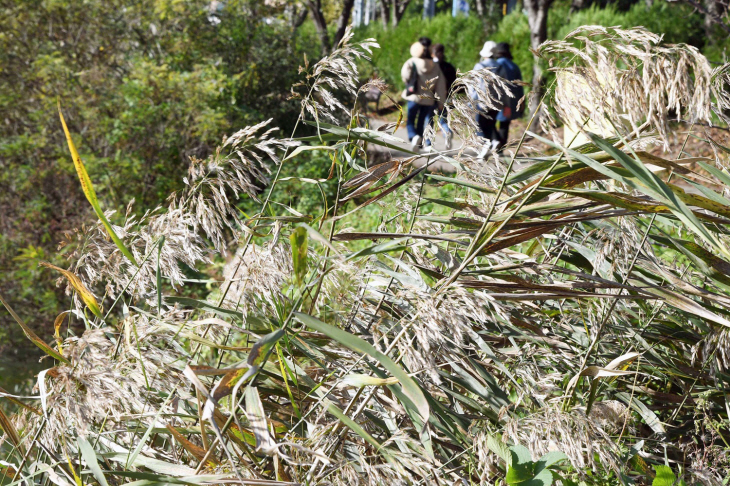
33,336
79,286
88,189
89,456
409,386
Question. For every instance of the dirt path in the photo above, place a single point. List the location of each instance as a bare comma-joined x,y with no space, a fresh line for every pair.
385,153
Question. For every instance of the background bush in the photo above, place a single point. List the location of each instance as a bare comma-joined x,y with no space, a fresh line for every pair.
144,86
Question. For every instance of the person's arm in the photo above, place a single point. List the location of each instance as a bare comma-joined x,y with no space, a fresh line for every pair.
473,94
441,90
450,77
405,72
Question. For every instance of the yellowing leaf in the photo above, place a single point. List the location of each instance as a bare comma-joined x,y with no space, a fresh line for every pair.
33,336
196,451
57,328
89,192
79,287
7,426
298,240
228,382
359,380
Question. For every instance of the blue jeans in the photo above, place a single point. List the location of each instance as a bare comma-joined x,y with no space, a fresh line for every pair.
418,116
444,121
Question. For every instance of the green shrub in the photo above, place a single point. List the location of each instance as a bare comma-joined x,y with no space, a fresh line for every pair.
677,22
144,87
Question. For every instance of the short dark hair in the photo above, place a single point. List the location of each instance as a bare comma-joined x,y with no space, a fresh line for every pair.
437,50
426,41
502,50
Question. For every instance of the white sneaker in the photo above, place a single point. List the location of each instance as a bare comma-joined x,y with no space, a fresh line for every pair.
429,149
447,142
485,151
416,142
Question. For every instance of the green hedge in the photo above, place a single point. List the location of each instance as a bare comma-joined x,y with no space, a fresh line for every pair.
462,36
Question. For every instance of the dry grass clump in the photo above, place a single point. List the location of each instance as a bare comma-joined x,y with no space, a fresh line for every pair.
614,77
581,438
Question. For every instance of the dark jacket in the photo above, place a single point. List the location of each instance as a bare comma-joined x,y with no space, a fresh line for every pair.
449,74
511,72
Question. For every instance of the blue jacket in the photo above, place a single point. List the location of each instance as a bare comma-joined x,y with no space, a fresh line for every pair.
493,66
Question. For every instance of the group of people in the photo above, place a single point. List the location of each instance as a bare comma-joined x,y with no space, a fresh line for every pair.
429,81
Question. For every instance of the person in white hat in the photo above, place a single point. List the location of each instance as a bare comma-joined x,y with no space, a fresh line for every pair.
425,91
488,50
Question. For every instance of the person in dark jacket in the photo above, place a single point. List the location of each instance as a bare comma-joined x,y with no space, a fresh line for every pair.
449,72
513,107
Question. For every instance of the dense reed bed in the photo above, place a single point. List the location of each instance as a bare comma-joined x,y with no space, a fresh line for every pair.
561,317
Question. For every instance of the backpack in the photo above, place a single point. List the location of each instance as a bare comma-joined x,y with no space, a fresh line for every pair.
412,84
513,109
500,71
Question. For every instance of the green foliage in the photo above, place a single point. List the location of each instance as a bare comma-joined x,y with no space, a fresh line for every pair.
522,470
678,22
462,36
144,87
664,476
305,197
298,240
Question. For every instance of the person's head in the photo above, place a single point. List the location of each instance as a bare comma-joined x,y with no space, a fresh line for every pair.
437,52
418,51
426,41
488,49
502,50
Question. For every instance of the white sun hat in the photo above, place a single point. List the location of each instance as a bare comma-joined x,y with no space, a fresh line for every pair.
487,49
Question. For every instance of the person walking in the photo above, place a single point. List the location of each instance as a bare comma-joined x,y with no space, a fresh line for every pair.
486,117
449,72
425,91
513,107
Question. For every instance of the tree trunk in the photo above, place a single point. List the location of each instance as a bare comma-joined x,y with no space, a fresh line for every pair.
712,18
384,10
576,5
343,22
298,17
479,7
537,15
315,9
399,8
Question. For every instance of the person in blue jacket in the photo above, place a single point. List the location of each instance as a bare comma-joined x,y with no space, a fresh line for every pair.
513,107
